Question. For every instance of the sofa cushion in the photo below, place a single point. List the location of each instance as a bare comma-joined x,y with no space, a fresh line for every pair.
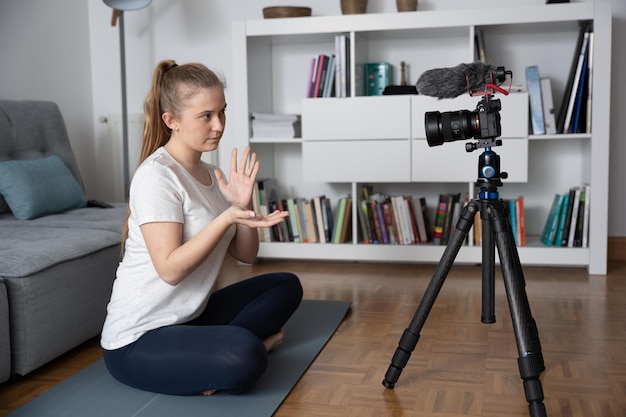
27,250
35,187
31,129
86,218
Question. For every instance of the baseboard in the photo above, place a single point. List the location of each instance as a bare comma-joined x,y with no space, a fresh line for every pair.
617,248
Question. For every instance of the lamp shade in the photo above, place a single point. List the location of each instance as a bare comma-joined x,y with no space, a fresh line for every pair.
127,4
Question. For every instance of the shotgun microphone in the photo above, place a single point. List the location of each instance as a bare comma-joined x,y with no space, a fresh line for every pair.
452,82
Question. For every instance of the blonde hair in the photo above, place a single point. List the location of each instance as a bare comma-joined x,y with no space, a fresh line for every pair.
172,86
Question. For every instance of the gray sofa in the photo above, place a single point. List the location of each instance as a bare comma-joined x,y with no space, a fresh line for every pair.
58,253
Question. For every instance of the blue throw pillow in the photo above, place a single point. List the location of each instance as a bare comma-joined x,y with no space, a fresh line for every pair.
36,187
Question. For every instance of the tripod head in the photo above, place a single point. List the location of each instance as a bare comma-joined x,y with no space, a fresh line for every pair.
489,174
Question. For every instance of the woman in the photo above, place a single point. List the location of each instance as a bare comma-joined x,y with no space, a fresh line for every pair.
165,330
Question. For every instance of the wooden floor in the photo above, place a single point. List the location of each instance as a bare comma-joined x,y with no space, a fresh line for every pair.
460,366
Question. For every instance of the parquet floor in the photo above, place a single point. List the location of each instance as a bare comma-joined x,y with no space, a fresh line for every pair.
460,366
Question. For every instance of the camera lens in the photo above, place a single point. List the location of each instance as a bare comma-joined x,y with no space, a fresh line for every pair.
450,126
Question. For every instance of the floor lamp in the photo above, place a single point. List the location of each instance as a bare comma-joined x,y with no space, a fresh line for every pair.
119,7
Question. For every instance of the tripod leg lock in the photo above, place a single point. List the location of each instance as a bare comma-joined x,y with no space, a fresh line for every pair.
405,348
401,357
530,368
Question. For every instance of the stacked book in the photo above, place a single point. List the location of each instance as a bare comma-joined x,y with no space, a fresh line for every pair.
272,125
310,220
400,219
330,74
575,112
567,224
516,220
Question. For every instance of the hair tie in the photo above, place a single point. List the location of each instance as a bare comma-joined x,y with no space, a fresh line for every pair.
170,67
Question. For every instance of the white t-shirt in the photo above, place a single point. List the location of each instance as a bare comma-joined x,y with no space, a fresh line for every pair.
163,191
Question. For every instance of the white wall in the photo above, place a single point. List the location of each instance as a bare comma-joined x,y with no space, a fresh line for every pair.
44,50
68,52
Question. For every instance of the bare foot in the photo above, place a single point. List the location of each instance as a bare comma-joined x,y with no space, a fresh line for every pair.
209,392
274,340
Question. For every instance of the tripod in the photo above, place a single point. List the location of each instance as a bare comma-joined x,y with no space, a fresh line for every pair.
496,231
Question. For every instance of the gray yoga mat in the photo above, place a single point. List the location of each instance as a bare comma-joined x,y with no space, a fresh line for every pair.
94,393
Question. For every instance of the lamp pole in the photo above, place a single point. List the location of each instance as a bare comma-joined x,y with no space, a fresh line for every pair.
124,106
119,6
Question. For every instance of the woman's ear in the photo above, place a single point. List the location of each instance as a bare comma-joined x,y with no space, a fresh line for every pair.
169,120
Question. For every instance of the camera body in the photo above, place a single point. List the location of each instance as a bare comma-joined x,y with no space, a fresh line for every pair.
482,123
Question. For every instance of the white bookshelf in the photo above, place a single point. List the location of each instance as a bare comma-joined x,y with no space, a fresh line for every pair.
271,65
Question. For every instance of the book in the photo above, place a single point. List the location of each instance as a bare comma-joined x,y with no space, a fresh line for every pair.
268,197
562,229
578,234
480,46
513,221
440,218
392,221
294,219
453,199
549,119
319,218
551,225
382,225
304,237
521,223
575,82
309,221
312,78
346,224
339,218
327,216
589,84
285,225
365,230
276,231
533,85
478,230
271,125
329,83
569,86
568,216
580,103
320,75
574,219
427,222
412,219
342,53
405,221
585,234
420,218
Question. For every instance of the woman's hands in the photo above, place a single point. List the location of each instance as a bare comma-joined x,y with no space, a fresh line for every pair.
238,191
251,219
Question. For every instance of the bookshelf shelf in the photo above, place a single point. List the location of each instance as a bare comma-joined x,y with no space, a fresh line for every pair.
276,140
566,137
349,142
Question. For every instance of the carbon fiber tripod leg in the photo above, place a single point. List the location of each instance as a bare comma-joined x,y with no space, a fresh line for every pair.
530,361
411,335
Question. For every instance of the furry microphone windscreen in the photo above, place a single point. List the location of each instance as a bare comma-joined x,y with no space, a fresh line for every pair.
452,82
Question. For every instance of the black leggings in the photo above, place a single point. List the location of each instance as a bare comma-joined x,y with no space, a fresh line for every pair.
220,350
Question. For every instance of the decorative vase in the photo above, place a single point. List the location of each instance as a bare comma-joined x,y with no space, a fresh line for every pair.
406,5
353,6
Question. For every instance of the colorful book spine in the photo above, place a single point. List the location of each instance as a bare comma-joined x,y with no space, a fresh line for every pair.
551,225
533,85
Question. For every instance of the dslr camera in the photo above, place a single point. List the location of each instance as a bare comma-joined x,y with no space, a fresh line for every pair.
482,123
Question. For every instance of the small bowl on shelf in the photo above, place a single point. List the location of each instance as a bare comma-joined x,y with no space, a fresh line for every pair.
285,11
